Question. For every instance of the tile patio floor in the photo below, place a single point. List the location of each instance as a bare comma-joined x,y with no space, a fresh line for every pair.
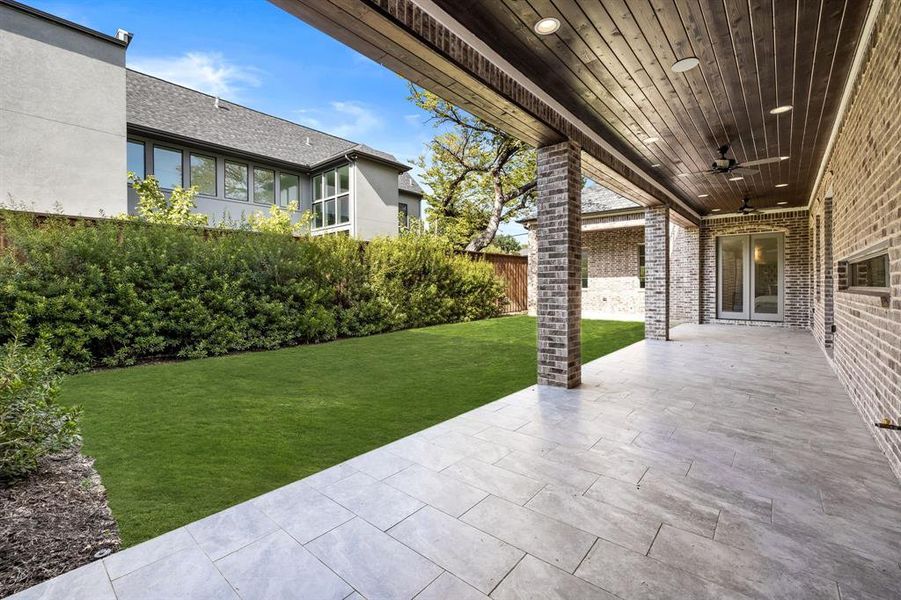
726,464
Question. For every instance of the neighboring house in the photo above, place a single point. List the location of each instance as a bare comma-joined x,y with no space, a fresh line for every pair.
612,254
70,106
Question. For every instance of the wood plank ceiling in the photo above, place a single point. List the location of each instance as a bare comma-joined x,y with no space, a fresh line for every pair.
610,61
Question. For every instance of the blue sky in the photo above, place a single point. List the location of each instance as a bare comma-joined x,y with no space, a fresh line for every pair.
254,53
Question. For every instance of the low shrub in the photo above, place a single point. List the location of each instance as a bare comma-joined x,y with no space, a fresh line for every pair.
32,424
112,293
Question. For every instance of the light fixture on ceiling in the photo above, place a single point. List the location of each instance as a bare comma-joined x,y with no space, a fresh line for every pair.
783,158
685,64
715,209
651,140
683,175
783,203
781,185
780,109
736,178
547,26
655,165
703,195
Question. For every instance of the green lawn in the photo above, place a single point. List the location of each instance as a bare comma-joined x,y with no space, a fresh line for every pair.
178,441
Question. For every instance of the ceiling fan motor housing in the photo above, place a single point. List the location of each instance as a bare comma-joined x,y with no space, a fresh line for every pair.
723,163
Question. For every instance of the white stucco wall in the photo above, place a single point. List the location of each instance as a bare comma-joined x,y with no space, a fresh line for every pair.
62,118
376,197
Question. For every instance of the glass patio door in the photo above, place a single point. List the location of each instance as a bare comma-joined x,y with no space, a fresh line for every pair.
750,277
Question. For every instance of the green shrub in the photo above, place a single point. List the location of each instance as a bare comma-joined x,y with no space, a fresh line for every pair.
116,292
32,424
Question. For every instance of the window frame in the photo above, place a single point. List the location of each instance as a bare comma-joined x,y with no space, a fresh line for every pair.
143,145
181,153
320,218
846,271
275,175
405,223
584,270
642,267
247,183
215,160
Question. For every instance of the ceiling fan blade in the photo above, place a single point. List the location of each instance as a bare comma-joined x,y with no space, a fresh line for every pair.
743,171
760,161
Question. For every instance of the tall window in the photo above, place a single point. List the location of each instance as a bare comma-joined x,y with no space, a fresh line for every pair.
641,271
289,189
135,158
403,215
167,167
203,174
235,181
331,197
584,272
263,186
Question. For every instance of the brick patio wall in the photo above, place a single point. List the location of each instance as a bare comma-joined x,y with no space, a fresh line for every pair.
864,176
793,224
613,284
684,261
657,289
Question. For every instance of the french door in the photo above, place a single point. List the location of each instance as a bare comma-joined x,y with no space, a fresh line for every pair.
750,277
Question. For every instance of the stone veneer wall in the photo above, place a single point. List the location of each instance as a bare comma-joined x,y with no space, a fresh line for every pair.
793,225
864,178
684,274
613,284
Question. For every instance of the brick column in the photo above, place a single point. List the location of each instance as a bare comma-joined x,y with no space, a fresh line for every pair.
656,260
559,263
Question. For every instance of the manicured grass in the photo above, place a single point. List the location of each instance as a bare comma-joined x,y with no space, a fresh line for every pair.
178,441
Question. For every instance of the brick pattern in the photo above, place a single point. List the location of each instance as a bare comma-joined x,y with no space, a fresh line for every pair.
822,271
865,182
685,272
793,224
656,295
559,262
613,283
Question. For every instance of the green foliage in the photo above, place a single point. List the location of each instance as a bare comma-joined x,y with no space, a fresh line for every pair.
154,206
504,243
279,221
32,424
114,293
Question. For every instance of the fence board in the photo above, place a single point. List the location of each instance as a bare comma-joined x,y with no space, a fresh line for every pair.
514,270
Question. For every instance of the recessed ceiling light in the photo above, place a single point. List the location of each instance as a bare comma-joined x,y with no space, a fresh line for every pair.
651,140
655,165
783,158
781,203
736,178
703,195
781,185
547,26
715,209
685,64
683,174
781,109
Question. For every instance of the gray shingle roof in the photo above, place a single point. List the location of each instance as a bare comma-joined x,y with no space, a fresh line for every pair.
160,105
597,198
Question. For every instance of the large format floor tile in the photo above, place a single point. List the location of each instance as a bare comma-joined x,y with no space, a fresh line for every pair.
728,463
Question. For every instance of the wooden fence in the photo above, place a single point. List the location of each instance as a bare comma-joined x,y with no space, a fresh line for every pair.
512,268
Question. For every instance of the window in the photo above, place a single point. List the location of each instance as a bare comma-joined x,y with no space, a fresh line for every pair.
136,159
331,197
403,215
584,272
870,272
288,189
203,174
641,269
167,167
235,181
263,186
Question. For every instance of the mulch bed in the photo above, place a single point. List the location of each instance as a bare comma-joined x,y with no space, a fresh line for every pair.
53,521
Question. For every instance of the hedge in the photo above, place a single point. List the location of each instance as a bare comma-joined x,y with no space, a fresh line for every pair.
114,293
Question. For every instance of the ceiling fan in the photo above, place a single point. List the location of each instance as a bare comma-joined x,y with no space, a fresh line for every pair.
723,165
746,208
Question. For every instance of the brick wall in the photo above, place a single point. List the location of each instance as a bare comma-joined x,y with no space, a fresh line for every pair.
865,181
793,225
558,266
684,260
613,284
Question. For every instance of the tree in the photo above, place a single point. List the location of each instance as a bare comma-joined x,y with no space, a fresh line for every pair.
154,206
504,244
279,221
480,177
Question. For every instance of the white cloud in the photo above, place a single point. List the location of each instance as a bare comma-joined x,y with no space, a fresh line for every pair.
208,72
354,119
